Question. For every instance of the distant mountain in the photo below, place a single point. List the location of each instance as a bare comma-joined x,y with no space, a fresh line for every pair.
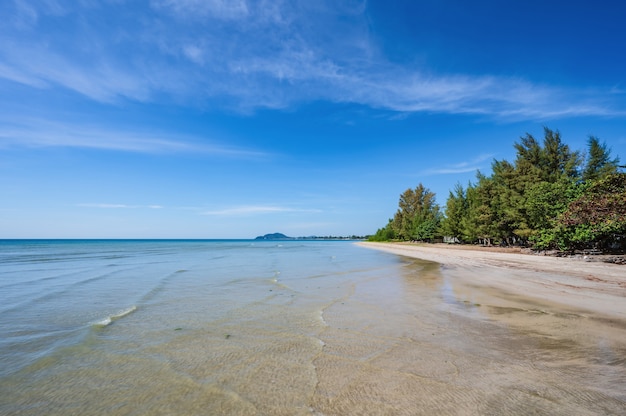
274,236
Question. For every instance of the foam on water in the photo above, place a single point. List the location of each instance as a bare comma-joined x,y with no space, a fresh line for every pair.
114,317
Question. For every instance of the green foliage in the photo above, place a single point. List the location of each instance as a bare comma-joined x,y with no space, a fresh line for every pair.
384,234
597,216
456,210
547,197
545,202
599,163
483,209
558,161
425,229
418,215
550,162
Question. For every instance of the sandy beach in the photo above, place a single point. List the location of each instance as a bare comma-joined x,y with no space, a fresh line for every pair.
571,282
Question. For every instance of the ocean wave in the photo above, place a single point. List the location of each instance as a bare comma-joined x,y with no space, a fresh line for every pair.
116,316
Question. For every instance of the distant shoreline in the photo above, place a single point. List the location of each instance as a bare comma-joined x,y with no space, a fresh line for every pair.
594,286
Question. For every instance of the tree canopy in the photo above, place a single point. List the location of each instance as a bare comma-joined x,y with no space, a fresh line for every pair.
418,215
550,196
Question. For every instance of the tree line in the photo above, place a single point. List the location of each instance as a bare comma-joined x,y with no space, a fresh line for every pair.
549,197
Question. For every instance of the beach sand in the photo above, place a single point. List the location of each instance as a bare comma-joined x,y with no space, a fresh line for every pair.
596,287
477,332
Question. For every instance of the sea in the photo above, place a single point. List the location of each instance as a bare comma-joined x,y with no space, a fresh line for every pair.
247,327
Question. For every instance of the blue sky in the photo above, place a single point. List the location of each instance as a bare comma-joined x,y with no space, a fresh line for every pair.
235,118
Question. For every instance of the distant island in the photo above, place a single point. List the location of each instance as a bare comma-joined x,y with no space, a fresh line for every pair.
274,236
281,236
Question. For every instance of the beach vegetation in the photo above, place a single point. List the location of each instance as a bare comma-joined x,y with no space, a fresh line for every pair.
418,216
549,197
452,225
597,216
384,234
598,161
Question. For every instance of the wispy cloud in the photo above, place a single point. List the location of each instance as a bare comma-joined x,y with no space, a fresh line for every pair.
30,132
311,225
221,9
461,167
256,210
101,78
249,55
118,206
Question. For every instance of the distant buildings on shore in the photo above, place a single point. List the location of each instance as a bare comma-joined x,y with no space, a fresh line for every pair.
282,237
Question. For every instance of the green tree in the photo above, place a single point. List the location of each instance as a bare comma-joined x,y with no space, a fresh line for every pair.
551,166
456,211
597,217
384,234
418,214
469,221
545,202
507,202
529,159
480,223
548,163
547,196
558,160
598,162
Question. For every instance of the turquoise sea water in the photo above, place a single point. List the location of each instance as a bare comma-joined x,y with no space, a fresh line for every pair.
57,293
223,327
72,307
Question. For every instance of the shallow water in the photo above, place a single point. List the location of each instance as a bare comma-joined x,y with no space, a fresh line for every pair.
247,328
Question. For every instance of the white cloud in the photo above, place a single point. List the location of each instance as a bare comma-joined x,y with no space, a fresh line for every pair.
197,9
461,167
16,75
26,12
310,225
448,171
43,133
256,210
118,206
194,53
98,78
266,54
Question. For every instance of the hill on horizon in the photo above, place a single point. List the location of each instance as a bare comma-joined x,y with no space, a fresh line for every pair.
274,236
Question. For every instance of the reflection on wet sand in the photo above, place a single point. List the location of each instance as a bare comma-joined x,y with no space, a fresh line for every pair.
427,343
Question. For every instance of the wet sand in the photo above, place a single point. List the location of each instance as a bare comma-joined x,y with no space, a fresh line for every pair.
594,286
479,333
482,333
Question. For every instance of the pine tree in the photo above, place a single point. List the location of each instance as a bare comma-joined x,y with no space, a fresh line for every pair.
456,210
418,215
598,162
